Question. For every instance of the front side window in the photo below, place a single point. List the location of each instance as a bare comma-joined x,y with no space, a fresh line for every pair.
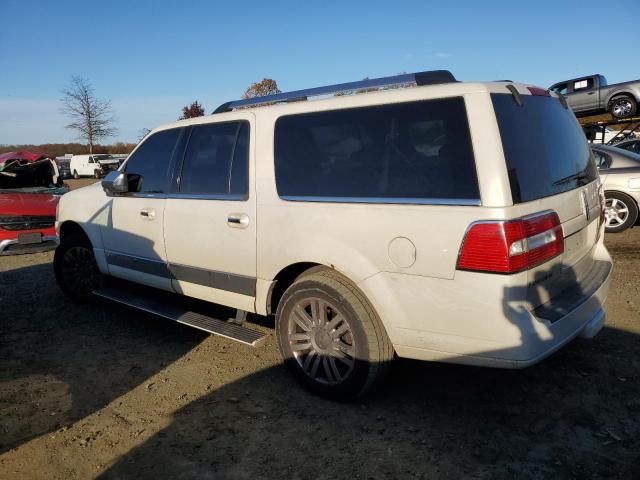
150,162
561,89
216,160
418,150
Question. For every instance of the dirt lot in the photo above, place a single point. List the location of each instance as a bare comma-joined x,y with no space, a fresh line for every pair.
104,391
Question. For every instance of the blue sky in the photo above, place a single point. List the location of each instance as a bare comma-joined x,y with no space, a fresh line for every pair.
153,57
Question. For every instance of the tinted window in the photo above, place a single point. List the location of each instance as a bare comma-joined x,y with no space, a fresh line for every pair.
419,150
216,160
152,159
562,89
601,159
544,147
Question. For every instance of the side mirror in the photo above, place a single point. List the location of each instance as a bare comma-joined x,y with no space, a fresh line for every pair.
115,182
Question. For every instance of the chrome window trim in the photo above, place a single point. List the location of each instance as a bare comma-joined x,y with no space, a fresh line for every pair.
382,200
209,196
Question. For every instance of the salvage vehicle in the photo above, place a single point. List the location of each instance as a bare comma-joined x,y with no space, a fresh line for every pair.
592,94
95,166
412,216
30,189
620,174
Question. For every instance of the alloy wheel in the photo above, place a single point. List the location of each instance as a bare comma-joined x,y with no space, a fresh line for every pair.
80,271
616,212
321,341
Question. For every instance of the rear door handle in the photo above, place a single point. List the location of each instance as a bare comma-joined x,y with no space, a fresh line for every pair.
148,213
238,220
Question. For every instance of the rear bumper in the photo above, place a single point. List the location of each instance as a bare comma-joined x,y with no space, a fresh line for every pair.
483,323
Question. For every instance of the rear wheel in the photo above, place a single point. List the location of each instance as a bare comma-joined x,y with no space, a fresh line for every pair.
623,106
75,174
620,212
330,337
76,270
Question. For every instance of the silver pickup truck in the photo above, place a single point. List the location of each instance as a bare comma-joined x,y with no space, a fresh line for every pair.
592,95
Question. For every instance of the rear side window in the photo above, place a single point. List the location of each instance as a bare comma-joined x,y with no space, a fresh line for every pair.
216,160
544,147
400,152
152,159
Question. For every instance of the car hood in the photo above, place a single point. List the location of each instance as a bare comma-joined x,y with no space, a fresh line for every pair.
28,204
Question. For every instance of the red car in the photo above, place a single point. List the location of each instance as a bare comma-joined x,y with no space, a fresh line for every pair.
30,188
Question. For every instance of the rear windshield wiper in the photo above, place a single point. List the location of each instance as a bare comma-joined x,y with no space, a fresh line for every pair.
576,176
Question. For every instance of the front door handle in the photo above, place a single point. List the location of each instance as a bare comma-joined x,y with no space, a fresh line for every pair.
238,220
148,213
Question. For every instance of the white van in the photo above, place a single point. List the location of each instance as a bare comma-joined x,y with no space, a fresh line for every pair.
430,219
92,165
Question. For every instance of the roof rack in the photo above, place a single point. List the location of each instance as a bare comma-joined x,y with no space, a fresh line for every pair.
420,78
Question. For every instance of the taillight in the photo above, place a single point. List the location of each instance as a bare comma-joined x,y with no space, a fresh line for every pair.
511,246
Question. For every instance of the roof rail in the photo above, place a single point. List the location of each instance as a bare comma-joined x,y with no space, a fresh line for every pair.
420,78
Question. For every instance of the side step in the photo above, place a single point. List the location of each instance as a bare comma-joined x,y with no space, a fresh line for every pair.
232,331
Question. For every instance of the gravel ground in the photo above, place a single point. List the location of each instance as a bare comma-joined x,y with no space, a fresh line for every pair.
104,391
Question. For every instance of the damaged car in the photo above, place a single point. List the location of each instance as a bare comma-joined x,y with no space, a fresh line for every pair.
30,188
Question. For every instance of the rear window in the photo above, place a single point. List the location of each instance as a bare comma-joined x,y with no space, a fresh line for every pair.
545,149
391,153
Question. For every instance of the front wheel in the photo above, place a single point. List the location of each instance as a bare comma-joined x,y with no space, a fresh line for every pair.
623,106
75,175
620,212
76,270
96,174
330,337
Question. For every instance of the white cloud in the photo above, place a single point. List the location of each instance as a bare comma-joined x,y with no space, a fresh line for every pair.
442,55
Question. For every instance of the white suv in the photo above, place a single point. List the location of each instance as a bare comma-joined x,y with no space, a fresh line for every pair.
443,221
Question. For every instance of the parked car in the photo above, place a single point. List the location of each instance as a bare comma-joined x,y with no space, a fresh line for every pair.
93,165
630,145
592,94
425,222
620,174
30,189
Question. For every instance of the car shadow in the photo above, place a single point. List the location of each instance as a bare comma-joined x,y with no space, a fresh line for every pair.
49,346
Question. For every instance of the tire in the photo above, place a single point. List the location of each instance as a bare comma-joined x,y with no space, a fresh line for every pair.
621,212
76,270
623,106
75,174
96,174
342,357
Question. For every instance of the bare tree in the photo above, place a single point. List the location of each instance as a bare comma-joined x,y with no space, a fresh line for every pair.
259,89
90,116
142,133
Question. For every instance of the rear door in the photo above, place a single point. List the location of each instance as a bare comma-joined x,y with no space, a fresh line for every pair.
551,168
210,218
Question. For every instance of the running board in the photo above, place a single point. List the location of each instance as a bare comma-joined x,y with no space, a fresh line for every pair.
225,329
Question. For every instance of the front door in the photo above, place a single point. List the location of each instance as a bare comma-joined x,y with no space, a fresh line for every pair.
133,233
210,219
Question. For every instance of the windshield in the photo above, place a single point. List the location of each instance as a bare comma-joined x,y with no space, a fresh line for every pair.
545,149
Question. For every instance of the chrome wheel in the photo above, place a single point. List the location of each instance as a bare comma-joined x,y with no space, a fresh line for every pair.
321,341
622,107
80,271
616,212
